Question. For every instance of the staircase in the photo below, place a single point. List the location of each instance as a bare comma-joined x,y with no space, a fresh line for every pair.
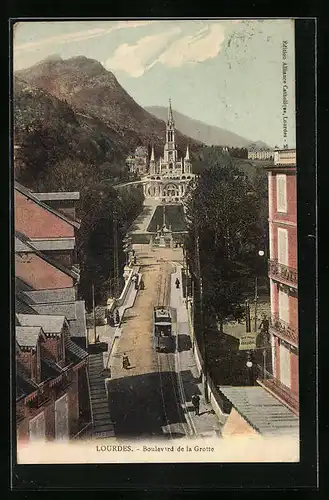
102,424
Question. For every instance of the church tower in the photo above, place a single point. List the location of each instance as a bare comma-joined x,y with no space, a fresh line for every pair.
170,152
152,162
187,162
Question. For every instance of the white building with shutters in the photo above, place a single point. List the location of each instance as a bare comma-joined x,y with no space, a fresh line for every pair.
283,278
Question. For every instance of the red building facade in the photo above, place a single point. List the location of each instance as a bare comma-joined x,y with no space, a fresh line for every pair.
53,394
51,372
283,275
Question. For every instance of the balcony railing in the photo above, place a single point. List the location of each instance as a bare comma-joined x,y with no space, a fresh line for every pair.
278,389
282,272
284,330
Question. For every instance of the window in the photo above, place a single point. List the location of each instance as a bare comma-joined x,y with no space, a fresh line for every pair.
283,306
62,418
282,246
285,368
281,193
37,430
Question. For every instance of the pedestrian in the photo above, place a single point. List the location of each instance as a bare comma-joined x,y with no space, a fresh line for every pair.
110,320
136,283
135,259
125,361
117,317
177,283
196,403
141,285
265,325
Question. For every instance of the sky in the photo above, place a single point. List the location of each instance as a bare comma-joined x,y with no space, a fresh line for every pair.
226,73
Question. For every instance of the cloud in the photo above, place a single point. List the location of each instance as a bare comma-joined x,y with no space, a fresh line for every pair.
137,58
205,44
78,35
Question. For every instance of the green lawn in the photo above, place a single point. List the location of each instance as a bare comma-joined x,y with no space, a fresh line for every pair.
174,216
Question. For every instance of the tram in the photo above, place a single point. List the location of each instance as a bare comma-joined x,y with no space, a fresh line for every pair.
163,338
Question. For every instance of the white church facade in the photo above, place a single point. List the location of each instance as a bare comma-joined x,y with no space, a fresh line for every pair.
168,177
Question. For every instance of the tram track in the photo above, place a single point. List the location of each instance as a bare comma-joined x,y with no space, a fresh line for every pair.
164,361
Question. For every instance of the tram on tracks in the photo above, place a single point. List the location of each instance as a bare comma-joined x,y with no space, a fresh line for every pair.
163,337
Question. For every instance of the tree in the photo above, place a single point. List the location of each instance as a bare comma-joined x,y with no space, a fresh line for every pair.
224,212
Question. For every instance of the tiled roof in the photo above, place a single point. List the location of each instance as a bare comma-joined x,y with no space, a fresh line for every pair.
68,310
32,196
262,410
60,195
49,323
22,307
74,352
54,244
24,385
27,336
78,327
21,247
28,243
49,369
59,296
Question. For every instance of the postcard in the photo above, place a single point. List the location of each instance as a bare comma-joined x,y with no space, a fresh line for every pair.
156,276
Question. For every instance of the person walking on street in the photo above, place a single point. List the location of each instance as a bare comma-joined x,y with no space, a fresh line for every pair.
117,317
177,283
125,361
196,403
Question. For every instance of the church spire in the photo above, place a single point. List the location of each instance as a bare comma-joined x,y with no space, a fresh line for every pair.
187,156
170,115
152,154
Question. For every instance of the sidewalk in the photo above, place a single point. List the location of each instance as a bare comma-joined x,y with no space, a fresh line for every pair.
207,423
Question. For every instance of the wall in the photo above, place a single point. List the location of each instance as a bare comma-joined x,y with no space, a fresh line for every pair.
40,274
27,212
236,424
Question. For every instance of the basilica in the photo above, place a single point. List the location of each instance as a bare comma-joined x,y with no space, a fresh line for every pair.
164,179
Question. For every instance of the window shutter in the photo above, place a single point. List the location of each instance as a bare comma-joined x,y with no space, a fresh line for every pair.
283,246
281,193
283,306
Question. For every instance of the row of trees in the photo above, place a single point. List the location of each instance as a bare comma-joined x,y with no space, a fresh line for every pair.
226,218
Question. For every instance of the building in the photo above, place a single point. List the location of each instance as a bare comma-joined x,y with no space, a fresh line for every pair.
283,277
45,249
164,179
52,396
255,153
138,163
271,408
169,176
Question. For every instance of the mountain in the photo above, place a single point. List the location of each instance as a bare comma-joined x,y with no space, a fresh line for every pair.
208,134
92,92
49,133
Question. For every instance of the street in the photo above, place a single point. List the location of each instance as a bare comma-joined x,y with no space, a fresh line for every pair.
145,400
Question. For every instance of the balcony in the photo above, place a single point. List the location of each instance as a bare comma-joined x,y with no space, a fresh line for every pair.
284,330
278,389
285,274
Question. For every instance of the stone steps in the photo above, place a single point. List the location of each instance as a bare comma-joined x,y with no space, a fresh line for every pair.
103,426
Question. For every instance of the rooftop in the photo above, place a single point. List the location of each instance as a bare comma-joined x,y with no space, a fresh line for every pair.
73,352
49,323
27,336
67,309
262,410
65,195
59,295
54,243
25,191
